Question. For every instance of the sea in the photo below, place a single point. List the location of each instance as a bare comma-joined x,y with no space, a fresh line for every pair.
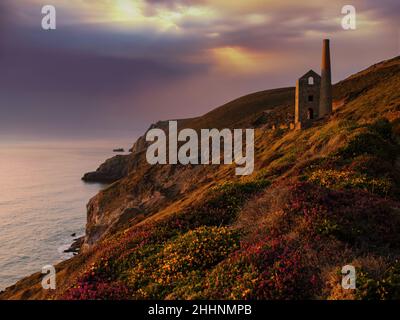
43,202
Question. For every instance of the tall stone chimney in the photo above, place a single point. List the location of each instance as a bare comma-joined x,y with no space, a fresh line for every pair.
325,102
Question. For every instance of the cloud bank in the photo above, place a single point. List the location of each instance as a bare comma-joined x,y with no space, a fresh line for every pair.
113,66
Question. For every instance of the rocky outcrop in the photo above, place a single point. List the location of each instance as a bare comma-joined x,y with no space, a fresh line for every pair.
75,246
141,144
110,171
120,166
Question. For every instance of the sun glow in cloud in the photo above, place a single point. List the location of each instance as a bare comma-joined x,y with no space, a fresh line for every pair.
130,14
127,9
134,13
239,60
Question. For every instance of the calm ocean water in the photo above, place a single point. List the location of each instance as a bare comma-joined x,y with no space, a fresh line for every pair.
42,202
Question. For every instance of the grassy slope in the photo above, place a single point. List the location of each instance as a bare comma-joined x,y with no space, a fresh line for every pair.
319,199
243,111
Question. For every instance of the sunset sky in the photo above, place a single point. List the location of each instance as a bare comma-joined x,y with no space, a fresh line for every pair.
113,67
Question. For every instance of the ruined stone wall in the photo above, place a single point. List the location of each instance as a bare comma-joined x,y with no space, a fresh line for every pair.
307,99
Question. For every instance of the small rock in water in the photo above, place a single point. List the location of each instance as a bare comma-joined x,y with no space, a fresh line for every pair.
75,246
73,235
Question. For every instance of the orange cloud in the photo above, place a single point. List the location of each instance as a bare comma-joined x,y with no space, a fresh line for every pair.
239,60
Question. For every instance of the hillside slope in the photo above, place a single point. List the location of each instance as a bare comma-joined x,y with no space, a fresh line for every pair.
319,199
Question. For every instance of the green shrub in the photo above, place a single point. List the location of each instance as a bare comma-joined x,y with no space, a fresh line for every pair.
386,287
383,128
375,139
368,143
222,203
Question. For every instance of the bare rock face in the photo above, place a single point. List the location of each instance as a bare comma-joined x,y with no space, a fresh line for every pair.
144,192
136,190
111,170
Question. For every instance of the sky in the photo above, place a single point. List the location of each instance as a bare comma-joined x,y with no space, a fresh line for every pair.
113,67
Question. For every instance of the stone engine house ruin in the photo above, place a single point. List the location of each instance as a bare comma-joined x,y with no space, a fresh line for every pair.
314,93
307,98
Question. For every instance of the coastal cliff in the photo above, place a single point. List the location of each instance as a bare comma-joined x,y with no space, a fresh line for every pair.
319,199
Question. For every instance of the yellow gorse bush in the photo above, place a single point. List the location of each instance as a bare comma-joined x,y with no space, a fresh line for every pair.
190,253
347,179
